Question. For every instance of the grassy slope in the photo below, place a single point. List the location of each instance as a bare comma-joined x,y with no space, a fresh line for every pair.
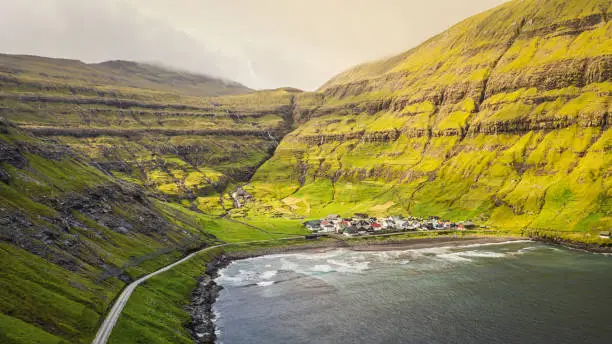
71,235
502,119
41,70
80,212
155,312
152,133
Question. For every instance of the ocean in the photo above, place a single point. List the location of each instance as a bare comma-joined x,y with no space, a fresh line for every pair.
515,292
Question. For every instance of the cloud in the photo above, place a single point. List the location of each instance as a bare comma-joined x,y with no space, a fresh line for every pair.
95,31
261,43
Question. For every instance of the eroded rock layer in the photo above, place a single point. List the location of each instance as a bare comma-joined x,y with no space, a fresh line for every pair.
504,118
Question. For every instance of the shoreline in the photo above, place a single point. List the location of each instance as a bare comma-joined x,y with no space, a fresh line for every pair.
204,296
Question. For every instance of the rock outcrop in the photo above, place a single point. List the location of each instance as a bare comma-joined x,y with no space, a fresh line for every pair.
503,118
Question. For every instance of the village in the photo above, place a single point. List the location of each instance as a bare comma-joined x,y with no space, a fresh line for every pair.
363,224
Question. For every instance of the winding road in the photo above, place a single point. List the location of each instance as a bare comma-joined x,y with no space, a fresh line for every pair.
111,319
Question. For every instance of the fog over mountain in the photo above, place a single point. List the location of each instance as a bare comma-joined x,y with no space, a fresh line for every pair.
260,43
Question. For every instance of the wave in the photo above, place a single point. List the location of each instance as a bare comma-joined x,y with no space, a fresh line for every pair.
322,268
268,274
265,283
267,269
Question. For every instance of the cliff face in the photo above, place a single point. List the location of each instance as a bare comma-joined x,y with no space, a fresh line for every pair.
103,180
503,118
73,233
143,125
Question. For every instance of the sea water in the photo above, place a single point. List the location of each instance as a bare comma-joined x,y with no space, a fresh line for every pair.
516,292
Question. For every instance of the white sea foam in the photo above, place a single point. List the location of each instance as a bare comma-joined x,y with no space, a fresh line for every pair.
268,274
495,243
265,283
453,257
349,267
240,278
286,264
482,254
322,268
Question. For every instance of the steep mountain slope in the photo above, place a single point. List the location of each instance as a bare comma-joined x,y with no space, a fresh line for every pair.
109,171
72,235
504,119
187,147
105,172
43,72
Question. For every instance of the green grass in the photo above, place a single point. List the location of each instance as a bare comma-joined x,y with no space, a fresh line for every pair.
155,313
13,330
57,301
533,156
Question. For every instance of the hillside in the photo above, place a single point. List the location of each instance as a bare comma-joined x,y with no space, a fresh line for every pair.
102,183
72,236
186,147
503,119
42,72
109,171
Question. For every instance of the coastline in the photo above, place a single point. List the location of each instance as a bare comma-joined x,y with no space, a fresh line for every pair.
204,296
202,326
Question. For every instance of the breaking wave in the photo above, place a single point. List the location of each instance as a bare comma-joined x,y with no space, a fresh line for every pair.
267,270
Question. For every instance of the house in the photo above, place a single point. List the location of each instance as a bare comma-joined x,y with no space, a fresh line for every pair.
387,223
333,218
352,230
327,228
396,218
409,226
362,224
313,225
399,221
604,235
340,227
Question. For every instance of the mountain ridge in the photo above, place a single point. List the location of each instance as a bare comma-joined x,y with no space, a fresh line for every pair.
118,73
503,119
527,76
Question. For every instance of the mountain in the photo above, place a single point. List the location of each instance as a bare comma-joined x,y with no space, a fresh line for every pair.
46,72
143,124
109,171
503,119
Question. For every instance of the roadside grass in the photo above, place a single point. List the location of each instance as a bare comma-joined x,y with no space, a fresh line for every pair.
155,313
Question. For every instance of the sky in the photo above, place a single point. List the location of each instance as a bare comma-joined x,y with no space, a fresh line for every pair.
259,43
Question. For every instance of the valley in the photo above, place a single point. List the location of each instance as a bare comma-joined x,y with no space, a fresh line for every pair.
111,171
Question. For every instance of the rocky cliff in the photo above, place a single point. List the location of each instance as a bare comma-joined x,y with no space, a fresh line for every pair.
156,133
108,171
105,175
503,118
